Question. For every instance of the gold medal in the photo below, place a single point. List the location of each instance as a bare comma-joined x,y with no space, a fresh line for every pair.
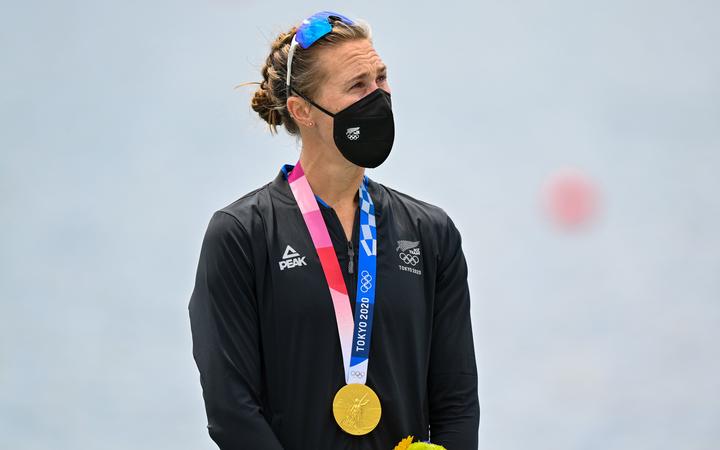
357,409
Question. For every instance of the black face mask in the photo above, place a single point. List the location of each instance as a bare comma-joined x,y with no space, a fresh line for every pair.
364,131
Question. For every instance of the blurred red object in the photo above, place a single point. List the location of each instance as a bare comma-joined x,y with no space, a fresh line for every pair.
570,199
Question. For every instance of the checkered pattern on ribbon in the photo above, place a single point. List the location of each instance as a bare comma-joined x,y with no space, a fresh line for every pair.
368,231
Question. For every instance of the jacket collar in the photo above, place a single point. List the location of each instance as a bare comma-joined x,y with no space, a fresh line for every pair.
281,187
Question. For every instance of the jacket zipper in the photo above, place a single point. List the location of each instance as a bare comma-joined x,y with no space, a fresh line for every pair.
351,256
350,246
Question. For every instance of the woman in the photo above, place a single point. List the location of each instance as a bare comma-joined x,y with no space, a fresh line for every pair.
299,277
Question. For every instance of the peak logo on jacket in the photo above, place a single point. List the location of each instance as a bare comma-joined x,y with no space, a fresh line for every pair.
409,254
291,259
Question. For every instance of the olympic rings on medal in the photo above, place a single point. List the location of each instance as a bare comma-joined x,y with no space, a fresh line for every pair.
366,281
357,374
409,259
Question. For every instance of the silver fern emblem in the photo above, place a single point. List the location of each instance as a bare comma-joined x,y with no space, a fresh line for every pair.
406,245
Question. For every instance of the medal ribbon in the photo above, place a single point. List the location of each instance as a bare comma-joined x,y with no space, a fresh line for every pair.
354,334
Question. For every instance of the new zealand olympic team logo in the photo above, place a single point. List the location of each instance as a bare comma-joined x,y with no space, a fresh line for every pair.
365,281
353,133
409,259
409,252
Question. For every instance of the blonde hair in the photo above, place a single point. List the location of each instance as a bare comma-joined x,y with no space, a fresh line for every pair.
270,99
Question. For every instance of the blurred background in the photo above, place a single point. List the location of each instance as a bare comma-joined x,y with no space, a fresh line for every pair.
576,145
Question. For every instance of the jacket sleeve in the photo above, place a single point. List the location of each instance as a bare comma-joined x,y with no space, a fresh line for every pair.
452,378
225,335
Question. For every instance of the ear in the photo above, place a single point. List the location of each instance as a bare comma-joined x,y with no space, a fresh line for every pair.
299,110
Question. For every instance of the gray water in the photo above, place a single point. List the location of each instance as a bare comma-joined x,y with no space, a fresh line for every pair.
121,133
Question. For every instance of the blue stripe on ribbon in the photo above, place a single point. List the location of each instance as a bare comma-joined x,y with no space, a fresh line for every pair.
367,265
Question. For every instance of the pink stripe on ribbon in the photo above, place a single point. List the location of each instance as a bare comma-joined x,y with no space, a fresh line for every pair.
328,259
315,222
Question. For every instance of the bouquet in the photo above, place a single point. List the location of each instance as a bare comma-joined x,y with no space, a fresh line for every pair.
407,444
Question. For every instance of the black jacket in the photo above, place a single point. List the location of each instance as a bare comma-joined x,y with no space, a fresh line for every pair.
266,343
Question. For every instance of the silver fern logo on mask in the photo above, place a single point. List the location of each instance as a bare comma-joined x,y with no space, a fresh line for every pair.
353,133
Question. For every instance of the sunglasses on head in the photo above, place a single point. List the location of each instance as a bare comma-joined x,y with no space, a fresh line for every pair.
309,32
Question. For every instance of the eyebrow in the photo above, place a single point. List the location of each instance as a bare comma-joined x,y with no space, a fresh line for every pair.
381,71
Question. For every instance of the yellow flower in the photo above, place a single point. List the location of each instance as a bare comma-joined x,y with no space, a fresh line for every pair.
404,444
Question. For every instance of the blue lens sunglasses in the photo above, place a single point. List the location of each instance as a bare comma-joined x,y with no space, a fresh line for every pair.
309,32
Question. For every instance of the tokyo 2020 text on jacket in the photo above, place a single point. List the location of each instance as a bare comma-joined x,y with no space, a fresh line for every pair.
265,338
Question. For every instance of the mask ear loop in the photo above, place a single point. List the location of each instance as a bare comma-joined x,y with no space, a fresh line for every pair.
288,86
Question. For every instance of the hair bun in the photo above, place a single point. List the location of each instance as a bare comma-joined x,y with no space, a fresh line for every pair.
264,104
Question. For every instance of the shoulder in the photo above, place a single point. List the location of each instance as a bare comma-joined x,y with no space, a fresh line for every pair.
431,222
233,224
419,211
244,211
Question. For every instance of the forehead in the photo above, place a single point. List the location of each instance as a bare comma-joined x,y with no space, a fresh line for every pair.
349,59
